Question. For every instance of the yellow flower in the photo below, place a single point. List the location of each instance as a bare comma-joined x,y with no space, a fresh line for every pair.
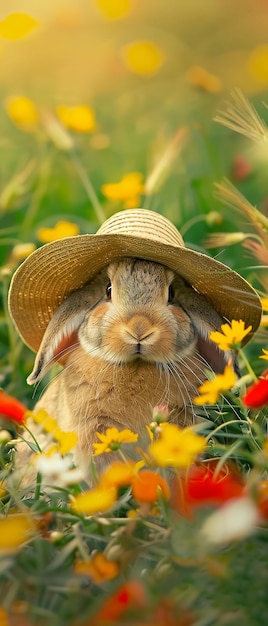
143,57
128,190
23,112
176,447
99,568
113,439
80,118
16,26
258,63
264,321
231,336
3,492
66,440
114,10
118,474
264,355
4,621
43,418
61,229
201,78
21,251
211,389
150,430
264,302
15,529
98,500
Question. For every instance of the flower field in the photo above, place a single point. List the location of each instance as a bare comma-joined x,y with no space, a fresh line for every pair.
108,105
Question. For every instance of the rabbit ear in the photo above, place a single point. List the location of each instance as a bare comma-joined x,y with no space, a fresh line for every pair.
60,337
205,320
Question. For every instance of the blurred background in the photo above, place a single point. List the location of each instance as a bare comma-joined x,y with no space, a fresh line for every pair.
108,104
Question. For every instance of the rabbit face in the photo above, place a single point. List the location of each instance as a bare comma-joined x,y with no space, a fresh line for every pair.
133,311
138,318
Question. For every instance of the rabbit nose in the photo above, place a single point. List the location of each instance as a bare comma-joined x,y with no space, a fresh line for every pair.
139,327
139,330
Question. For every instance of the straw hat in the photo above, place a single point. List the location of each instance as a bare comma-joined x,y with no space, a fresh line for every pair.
51,273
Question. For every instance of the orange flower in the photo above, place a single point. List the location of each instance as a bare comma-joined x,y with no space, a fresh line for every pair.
148,485
241,168
262,498
4,621
201,78
99,568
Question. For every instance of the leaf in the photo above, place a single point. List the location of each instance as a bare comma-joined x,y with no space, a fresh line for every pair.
16,26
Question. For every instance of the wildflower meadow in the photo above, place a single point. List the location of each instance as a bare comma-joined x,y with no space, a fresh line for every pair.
108,105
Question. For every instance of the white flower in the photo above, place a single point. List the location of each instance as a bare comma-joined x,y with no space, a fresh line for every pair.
56,469
235,520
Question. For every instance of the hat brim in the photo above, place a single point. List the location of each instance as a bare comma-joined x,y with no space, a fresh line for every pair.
51,273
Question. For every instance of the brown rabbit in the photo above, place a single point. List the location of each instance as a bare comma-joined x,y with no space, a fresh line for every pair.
122,311
136,336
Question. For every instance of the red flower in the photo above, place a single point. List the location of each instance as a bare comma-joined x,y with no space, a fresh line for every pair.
202,486
130,596
241,168
11,408
257,394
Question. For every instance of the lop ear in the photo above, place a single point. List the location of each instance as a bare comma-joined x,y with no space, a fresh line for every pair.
205,320
60,337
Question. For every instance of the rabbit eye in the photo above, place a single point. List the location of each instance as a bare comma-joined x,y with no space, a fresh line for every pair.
109,291
171,294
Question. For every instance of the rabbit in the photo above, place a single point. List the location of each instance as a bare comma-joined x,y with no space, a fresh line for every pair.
135,337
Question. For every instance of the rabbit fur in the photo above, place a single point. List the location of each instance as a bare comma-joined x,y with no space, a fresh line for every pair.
136,336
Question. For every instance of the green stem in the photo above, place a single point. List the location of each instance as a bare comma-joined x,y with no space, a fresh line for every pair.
99,212
38,484
10,229
247,364
192,222
37,196
15,345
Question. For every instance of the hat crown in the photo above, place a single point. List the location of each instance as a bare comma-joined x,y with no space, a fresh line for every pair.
143,224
